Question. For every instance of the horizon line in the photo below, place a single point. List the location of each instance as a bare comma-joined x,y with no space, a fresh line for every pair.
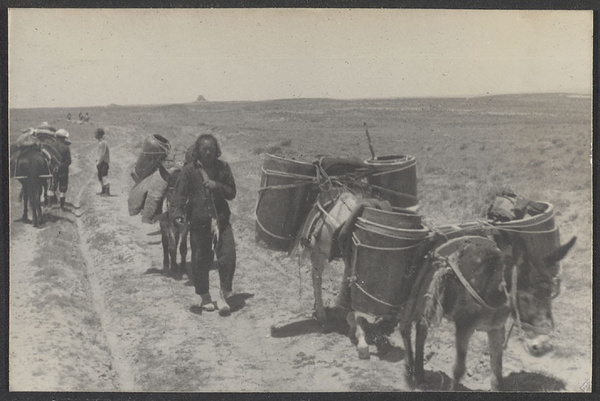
581,94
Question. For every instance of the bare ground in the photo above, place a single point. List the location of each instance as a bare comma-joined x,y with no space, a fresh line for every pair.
85,316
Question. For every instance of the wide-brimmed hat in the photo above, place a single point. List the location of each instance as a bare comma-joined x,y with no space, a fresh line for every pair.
46,126
62,133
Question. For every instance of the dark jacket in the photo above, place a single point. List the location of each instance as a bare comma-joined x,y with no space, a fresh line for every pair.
65,152
190,188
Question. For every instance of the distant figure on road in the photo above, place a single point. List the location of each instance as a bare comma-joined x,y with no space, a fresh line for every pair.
200,196
102,162
80,116
63,147
86,117
69,116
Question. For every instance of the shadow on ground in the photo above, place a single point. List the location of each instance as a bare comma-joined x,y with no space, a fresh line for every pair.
439,381
236,302
532,381
53,218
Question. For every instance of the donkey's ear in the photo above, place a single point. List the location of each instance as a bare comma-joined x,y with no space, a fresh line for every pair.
164,173
560,253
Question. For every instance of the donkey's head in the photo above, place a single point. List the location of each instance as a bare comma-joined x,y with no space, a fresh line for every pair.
536,273
170,178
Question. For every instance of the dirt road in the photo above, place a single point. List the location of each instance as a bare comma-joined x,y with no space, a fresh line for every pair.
86,316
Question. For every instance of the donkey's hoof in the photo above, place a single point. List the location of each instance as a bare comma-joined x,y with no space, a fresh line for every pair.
224,310
319,315
363,353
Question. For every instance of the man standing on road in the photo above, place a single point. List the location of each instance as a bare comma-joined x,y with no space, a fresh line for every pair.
206,184
62,176
102,161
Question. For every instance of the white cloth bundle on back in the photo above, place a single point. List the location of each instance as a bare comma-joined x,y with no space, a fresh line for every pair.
27,139
146,197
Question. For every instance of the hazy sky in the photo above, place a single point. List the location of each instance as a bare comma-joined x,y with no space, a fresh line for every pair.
87,57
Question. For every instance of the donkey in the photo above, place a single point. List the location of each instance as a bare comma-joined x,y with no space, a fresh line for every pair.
510,282
45,141
318,237
32,164
173,234
490,280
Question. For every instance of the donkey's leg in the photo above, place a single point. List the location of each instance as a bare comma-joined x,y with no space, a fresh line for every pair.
357,321
38,204
344,297
496,344
463,335
421,336
45,191
183,247
175,269
34,198
319,261
34,212
25,202
165,245
406,332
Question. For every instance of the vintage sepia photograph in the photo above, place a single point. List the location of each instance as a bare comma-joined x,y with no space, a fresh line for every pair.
300,200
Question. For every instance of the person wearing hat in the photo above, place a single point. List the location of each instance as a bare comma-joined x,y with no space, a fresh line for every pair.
102,161
62,176
46,128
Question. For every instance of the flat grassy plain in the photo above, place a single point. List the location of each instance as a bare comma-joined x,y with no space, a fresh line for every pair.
143,336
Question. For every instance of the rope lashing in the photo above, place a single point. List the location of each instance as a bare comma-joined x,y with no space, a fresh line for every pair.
520,227
288,175
467,285
526,232
485,225
22,177
270,233
374,298
300,180
396,193
327,215
286,186
357,243
414,163
323,178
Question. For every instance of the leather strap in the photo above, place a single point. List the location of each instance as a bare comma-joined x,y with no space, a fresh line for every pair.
452,246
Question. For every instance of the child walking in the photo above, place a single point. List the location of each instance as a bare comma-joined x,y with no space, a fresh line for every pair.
102,162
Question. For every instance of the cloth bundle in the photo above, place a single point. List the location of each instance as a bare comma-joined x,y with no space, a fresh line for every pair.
147,197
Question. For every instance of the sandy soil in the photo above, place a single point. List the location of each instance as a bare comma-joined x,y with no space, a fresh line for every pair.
86,316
